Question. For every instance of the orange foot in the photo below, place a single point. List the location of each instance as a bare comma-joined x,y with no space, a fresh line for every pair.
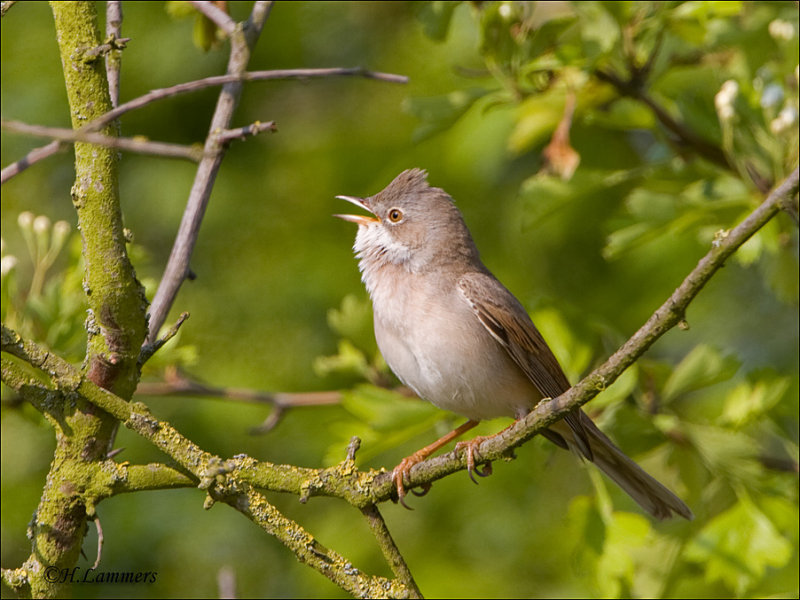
400,472
470,446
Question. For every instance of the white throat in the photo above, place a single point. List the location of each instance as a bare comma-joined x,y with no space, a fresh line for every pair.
376,248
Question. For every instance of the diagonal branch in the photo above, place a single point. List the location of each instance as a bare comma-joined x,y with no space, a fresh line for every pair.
138,145
633,89
219,477
114,56
192,86
235,481
390,550
667,316
178,264
31,158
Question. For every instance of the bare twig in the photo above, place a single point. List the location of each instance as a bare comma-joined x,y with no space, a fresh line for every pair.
114,57
226,582
178,264
245,76
390,551
667,316
352,447
191,86
220,18
5,6
688,137
96,519
138,145
31,158
241,133
151,348
218,477
176,384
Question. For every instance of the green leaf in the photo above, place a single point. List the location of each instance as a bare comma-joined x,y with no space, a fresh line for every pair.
204,33
353,321
738,546
385,410
750,401
572,354
732,454
439,113
599,30
180,9
703,9
383,419
435,18
349,360
626,534
702,367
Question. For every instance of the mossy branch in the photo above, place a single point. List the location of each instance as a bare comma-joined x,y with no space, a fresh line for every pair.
88,483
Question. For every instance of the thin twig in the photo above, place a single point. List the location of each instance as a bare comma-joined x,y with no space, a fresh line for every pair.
177,266
390,551
5,6
96,519
218,477
226,582
242,133
114,57
245,76
667,316
178,385
151,348
706,149
191,86
138,145
219,17
31,158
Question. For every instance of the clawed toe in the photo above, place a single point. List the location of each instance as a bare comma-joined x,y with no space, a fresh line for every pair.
399,476
470,447
425,488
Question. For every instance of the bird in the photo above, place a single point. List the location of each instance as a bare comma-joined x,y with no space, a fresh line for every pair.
457,337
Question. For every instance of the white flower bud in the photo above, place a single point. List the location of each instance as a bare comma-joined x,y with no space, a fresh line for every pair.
60,232
781,30
41,224
61,228
25,220
785,119
772,95
724,99
7,263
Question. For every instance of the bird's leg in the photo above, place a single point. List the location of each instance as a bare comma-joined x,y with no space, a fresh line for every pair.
470,446
400,472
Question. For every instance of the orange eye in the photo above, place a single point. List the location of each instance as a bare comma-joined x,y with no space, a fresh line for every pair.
395,215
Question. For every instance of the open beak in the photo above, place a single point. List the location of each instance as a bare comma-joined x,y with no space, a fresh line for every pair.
358,219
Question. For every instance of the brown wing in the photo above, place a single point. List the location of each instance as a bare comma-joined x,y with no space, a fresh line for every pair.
507,321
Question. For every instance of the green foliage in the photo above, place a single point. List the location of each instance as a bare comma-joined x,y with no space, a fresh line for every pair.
739,546
50,306
711,410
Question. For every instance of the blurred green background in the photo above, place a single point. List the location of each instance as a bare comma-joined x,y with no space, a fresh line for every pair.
712,411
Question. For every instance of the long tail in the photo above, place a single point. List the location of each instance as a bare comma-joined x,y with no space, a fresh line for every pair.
651,495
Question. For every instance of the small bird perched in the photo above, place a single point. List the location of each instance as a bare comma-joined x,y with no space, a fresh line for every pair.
456,336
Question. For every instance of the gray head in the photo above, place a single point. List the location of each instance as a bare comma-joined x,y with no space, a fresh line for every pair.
415,225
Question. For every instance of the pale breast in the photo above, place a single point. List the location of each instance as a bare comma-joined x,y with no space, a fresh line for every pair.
447,357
